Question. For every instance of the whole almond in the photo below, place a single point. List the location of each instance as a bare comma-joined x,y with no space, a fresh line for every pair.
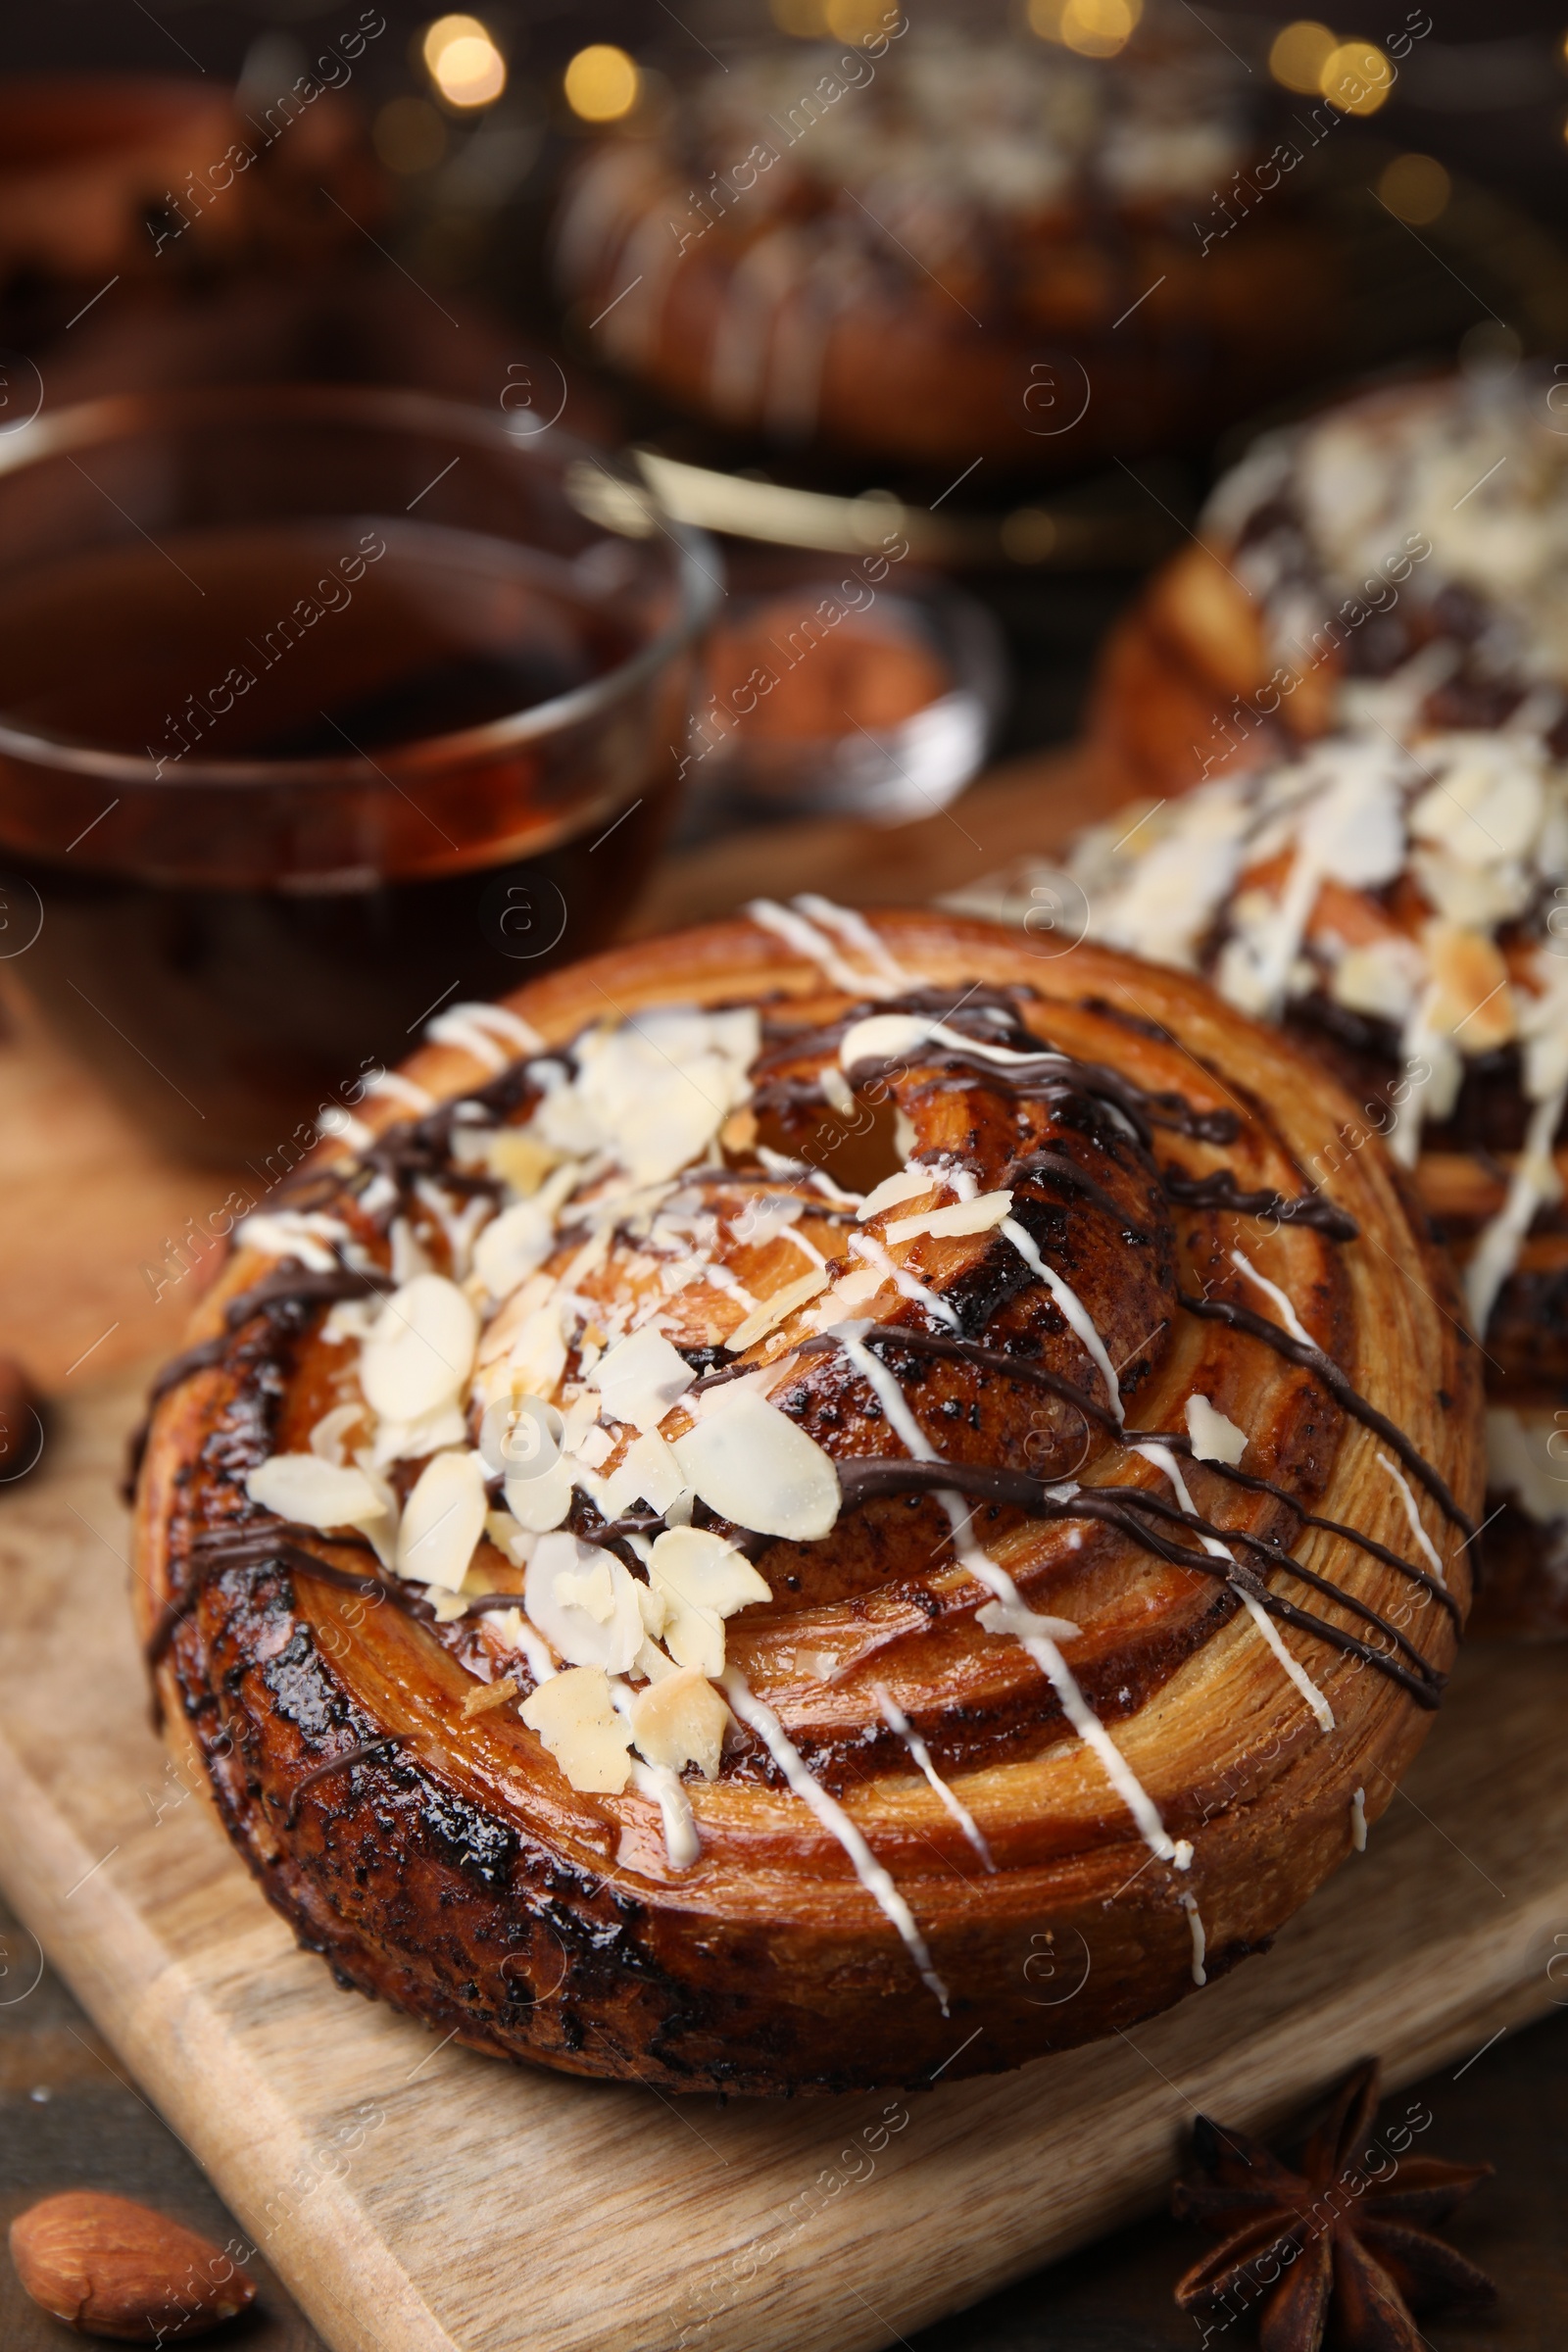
108,2267
20,1429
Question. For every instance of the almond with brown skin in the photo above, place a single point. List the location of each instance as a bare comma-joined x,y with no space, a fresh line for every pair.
108,2267
21,1427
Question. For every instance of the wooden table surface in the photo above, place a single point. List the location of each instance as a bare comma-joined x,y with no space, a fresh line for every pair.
91,1213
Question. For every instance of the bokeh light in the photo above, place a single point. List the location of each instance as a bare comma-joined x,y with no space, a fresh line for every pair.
1415,187
601,84
859,21
1299,56
1357,77
804,20
1091,28
463,62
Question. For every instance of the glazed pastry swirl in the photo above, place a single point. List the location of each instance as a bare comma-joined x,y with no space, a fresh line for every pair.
685,1555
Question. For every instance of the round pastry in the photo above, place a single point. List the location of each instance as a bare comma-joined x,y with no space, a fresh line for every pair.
1402,912
821,1502
936,248
1401,555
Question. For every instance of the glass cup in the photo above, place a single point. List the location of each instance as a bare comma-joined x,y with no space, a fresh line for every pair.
322,708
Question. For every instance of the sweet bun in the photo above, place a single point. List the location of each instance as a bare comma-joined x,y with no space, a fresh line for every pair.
1400,909
936,249
1405,551
812,1502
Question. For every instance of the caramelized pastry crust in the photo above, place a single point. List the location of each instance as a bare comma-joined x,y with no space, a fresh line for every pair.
814,1503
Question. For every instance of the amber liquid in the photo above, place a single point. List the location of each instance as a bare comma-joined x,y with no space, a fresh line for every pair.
225,1009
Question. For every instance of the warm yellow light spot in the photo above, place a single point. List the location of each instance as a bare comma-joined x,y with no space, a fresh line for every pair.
463,62
806,20
601,84
1300,54
1356,79
409,135
859,21
1093,27
1415,186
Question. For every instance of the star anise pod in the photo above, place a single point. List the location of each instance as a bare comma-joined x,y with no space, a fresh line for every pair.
1347,2237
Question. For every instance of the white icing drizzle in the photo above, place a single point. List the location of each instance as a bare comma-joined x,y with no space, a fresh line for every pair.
815,945
760,1718
457,1027
1199,1939
1035,1632
871,1252
1271,1289
722,1278
399,1089
1163,1460
682,1845
1534,1182
340,1126
1407,1497
1358,1820
856,932
1072,1305
898,1721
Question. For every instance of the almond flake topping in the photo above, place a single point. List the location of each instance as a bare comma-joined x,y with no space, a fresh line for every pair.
575,1716
420,1352
313,1491
755,1466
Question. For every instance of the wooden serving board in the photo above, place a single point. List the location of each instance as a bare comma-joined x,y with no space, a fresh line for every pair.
416,2197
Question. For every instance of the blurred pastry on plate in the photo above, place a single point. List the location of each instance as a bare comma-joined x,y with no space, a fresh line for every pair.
938,247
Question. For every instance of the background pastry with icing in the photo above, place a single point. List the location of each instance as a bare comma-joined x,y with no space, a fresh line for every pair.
940,246
1398,908
1397,559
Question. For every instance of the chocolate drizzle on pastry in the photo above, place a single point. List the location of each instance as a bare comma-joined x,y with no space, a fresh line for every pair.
1350,1400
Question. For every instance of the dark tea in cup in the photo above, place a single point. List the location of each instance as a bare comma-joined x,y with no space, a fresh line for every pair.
320,710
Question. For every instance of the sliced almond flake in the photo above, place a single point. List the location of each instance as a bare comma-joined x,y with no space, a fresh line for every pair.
1215,1437
584,1603
647,1473
539,1505
755,1466
537,1355
962,1218
681,1720
314,1492
519,1160
849,1295
641,1377
509,1537
412,1441
421,1350
504,1327
516,1243
836,1092
1470,998
776,1310
576,1719
328,1434
701,1579
905,1184
442,1521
